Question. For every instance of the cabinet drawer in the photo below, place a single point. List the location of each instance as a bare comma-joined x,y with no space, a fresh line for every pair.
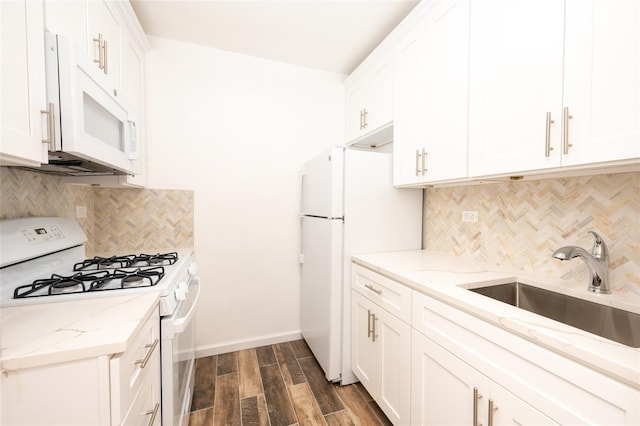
389,294
128,370
145,408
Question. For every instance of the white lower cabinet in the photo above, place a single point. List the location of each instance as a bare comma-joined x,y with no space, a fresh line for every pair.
443,366
447,391
381,352
108,390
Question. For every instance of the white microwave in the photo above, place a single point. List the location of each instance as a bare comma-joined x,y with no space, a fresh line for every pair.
91,130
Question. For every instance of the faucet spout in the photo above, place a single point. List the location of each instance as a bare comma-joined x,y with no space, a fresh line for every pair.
597,261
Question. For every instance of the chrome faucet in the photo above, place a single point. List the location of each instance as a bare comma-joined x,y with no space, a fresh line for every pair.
597,261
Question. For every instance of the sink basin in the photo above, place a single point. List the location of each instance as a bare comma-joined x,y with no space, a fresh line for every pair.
611,323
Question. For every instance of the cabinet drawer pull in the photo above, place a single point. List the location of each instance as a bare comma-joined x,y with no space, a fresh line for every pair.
492,408
375,290
100,59
153,413
476,396
368,322
547,144
143,362
565,130
373,328
424,162
51,121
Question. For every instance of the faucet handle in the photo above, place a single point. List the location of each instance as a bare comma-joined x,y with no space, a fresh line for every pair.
599,250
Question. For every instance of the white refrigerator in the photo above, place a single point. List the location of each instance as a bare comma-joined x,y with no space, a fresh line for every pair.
349,206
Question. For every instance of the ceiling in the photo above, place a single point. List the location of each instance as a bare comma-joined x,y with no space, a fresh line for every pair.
329,35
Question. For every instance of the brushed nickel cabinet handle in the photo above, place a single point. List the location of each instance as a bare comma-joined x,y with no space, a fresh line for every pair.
565,130
153,413
417,162
373,328
373,289
364,118
368,323
476,396
547,145
100,60
361,120
51,121
424,162
492,408
143,362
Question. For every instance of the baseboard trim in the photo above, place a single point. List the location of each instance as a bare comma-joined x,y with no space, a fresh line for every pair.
240,344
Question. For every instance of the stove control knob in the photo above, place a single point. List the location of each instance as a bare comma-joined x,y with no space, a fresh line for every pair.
182,286
193,268
180,295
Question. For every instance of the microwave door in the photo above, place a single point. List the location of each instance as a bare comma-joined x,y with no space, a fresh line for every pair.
94,125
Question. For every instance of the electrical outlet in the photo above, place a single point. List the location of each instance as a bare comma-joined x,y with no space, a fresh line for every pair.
81,212
470,216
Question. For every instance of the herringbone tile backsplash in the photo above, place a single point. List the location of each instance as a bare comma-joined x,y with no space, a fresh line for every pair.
522,223
118,220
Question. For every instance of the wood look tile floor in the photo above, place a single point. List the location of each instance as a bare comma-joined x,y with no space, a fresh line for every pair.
276,385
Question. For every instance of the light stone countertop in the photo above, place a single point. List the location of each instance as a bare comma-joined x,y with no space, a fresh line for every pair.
446,278
49,333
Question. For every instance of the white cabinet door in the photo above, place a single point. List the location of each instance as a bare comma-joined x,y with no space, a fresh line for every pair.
369,102
602,80
69,18
409,104
22,84
365,358
132,89
430,123
447,391
379,85
381,356
103,37
394,337
510,410
442,387
516,55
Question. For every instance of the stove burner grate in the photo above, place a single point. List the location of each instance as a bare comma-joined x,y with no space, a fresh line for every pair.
59,284
139,277
98,262
127,261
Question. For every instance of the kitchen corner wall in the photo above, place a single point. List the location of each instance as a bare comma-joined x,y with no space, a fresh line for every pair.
118,220
522,223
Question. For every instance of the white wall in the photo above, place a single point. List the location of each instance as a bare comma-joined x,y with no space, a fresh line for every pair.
236,130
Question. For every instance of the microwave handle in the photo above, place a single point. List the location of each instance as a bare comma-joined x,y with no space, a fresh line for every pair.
51,125
133,141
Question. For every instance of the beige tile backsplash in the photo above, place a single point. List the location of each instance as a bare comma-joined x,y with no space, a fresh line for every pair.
522,223
118,220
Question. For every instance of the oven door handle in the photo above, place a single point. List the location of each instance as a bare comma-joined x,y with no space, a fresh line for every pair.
180,323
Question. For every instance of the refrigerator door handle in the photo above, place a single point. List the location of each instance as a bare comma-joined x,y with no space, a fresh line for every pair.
300,240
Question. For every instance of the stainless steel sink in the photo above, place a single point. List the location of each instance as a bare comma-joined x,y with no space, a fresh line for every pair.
611,323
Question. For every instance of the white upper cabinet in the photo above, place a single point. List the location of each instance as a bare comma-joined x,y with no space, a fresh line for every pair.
103,33
96,27
431,96
515,79
551,87
370,101
22,87
602,80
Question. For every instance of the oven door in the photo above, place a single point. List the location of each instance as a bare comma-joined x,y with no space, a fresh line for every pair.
178,363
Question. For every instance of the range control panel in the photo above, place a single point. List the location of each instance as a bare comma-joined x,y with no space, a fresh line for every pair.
42,234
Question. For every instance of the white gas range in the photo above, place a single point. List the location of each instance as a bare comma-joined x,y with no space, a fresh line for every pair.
42,260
